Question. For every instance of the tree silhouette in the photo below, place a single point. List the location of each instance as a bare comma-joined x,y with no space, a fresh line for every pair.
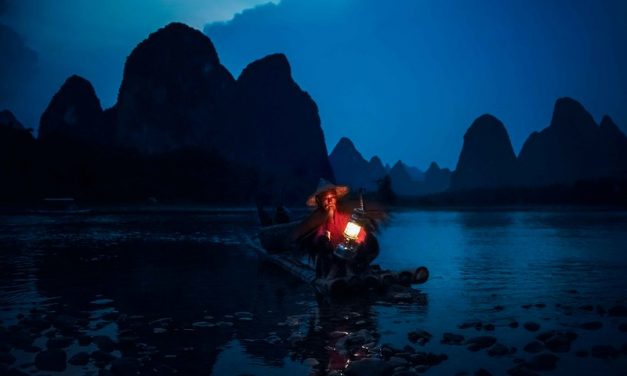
385,194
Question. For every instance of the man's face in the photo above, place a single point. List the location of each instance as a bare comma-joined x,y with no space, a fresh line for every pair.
328,200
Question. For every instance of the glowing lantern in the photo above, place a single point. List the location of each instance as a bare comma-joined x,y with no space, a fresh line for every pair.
347,250
352,230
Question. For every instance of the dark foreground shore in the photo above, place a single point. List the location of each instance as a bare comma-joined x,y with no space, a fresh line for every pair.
50,339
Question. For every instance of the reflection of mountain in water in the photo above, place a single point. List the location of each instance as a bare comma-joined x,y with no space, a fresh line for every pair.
176,304
196,295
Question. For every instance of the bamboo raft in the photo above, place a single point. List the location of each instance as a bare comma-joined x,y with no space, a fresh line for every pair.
274,246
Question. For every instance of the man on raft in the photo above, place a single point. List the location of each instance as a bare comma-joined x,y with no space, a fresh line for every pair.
340,243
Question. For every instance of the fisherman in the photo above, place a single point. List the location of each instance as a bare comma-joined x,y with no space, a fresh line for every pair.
323,231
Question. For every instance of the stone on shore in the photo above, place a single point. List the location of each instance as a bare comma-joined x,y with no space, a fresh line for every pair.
604,352
369,367
471,324
84,340
125,366
498,350
593,325
60,342
104,343
51,360
539,363
427,359
406,372
531,326
14,372
543,362
481,342
482,372
534,347
521,370
80,359
557,341
355,339
101,356
617,311
419,336
19,338
35,323
452,339
6,358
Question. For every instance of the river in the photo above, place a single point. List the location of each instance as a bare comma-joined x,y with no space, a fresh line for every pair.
181,292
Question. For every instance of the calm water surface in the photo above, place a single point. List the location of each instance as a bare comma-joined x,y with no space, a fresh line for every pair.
184,291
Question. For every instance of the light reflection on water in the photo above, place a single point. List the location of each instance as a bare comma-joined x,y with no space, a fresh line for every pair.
189,266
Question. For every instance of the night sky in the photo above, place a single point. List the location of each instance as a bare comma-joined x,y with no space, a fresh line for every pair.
402,79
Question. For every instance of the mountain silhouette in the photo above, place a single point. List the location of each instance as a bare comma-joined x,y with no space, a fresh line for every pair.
173,92
275,127
415,173
487,159
184,128
75,113
572,148
613,150
376,169
402,182
436,179
352,169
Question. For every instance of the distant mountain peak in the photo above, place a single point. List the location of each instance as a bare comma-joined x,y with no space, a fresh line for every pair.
376,160
398,164
484,124
345,146
610,130
79,85
9,120
180,36
433,167
608,124
569,113
571,148
74,112
274,67
172,92
487,158
345,142
351,168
